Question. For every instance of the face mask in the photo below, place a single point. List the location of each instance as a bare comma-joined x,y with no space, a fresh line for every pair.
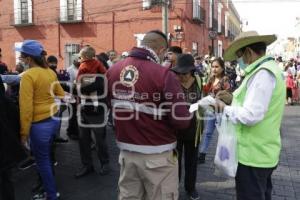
52,66
25,65
241,63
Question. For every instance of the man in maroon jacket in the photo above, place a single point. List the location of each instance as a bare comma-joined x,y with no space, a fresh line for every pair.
3,66
148,108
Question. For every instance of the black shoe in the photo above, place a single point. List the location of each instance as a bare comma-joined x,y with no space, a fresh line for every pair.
27,163
60,140
193,195
38,188
83,171
93,146
105,169
201,158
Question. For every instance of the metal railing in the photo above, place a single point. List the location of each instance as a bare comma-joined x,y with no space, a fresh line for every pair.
71,14
21,18
198,13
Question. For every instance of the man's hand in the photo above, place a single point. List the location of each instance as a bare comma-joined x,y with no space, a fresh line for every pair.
224,96
219,106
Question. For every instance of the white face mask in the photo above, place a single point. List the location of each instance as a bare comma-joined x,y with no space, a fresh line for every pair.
241,63
25,65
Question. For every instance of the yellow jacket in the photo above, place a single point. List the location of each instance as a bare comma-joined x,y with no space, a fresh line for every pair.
38,88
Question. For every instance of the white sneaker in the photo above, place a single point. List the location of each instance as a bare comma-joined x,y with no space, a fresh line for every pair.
42,196
39,196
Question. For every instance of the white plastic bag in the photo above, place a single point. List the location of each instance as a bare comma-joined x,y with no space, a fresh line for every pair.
205,103
226,159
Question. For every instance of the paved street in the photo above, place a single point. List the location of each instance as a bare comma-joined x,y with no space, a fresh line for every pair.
286,178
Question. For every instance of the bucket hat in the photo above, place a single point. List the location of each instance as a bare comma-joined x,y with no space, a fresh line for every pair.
184,64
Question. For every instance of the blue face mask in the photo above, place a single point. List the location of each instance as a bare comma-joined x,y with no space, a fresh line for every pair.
241,63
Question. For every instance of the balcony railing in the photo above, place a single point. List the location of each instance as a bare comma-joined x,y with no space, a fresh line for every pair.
199,14
214,25
222,31
155,4
72,19
231,36
20,19
71,14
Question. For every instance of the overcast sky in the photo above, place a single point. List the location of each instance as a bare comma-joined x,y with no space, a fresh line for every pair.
270,16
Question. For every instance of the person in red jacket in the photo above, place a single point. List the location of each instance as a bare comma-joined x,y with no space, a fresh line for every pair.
148,106
289,87
92,113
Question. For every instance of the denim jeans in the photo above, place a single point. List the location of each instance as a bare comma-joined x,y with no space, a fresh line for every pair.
209,128
41,138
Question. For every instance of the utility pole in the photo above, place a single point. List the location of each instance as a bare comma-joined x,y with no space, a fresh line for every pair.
165,16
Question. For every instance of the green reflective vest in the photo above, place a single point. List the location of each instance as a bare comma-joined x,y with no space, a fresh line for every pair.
259,145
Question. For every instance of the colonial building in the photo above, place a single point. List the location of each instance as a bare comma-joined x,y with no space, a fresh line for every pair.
64,26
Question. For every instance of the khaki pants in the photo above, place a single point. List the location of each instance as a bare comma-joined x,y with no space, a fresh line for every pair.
148,177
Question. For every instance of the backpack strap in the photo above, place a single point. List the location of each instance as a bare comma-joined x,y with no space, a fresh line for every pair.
199,82
199,113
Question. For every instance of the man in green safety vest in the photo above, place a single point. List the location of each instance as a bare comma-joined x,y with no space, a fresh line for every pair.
256,111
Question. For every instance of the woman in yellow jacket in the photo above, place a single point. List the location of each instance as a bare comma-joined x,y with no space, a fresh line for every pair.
39,86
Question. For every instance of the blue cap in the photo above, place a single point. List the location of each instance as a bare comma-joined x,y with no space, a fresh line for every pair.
31,47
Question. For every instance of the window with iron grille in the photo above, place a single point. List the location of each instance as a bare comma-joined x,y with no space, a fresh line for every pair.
148,4
198,11
220,7
211,7
70,50
70,10
24,11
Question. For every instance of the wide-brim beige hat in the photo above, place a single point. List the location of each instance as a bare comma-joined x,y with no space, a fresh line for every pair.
245,39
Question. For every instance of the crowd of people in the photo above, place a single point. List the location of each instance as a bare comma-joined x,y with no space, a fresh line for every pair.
149,90
291,70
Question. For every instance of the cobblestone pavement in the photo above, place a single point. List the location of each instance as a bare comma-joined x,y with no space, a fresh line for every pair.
286,179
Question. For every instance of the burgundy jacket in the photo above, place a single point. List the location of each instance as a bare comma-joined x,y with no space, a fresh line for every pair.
150,98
